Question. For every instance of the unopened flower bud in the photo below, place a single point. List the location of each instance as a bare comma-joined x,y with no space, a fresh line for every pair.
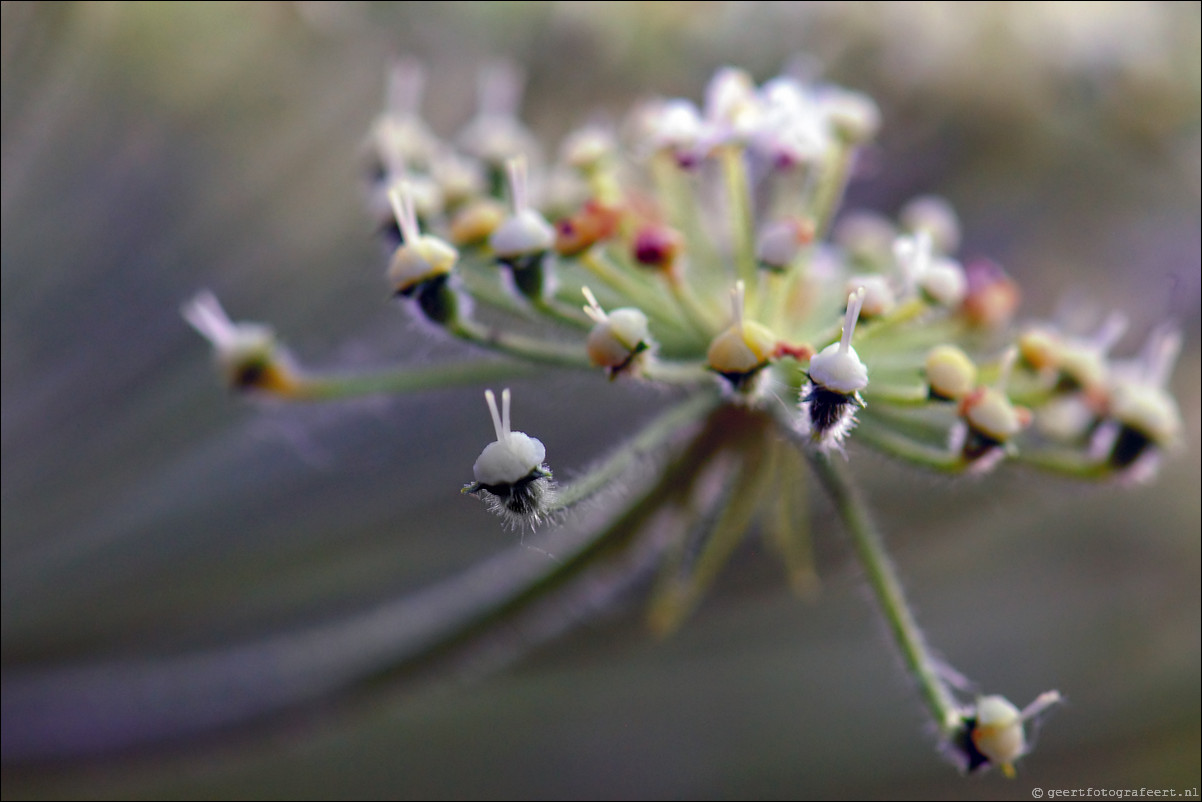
247,354
618,338
936,216
740,352
950,373
779,242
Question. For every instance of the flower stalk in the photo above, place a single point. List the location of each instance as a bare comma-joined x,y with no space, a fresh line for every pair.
887,589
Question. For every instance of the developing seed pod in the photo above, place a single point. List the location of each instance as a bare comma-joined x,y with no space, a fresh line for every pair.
475,221
659,247
991,296
989,421
510,473
1083,361
836,376
1143,418
522,241
420,258
421,265
950,374
247,354
1039,349
780,241
936,216
996,733
400,133
619,339
593,223
740,352
878,295
939,279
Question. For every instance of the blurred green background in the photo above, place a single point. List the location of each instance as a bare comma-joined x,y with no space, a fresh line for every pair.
154,149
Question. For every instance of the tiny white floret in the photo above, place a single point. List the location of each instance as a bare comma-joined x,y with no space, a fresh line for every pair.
513,456
838,367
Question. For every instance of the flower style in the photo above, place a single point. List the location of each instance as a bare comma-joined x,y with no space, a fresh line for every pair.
842,329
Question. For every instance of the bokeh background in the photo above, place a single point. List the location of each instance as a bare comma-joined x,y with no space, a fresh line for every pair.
154,149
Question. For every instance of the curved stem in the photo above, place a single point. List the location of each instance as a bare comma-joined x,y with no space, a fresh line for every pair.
882,577
521,346
832,181
652,436
403,379
738,191
897,445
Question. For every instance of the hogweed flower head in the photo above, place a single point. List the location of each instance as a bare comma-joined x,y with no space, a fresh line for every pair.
740,192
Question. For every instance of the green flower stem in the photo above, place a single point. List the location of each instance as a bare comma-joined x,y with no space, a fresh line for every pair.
787,520
150,700
701,319
1064,462
644,295
899,315
724,527
882,577
897,445
520,346
484,284
696,518
738,191
562,312
899,394
677,372
828,193
404,379
679,199
647,441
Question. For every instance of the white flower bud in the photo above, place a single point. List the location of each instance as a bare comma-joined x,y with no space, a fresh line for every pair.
878,294
838,367
944,282
936,216
990,420
854,116
997,729
246,353
950,373
780,241
618,337
526,234
742,350
420,258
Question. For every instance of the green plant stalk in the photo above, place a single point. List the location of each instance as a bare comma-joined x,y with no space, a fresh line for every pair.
734,170
520,346
404,379
641,294
882,577
832,182
645,442
898,445
673,187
